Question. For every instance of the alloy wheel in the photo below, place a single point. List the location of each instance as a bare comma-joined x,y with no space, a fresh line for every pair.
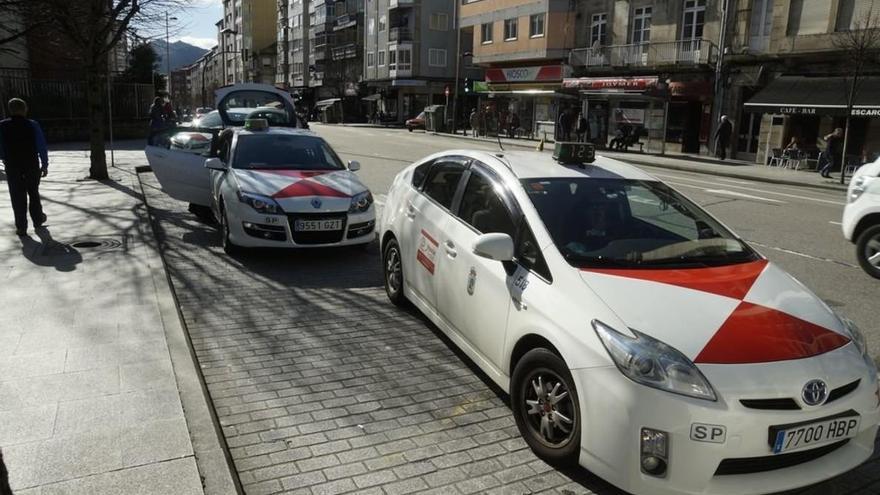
393,270
549,410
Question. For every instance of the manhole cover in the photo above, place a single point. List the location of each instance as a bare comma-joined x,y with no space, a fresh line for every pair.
86,244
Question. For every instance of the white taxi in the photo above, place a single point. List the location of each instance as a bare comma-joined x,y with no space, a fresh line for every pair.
267,186
635,334
861,216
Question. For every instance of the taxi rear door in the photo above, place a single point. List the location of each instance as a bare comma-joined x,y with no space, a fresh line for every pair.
426,214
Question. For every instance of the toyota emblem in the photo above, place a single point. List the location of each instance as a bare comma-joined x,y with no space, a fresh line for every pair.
316,203
815,392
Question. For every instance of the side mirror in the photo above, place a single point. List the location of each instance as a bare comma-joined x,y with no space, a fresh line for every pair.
215,164
497,246
354,165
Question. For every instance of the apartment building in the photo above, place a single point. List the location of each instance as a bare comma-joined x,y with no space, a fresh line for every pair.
410,55
336,46
248,40
523,46
292,69
648,67
785,77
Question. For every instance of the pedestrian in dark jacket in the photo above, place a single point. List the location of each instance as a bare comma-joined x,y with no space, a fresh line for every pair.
722,137
833,153
581,128
23,149
564,125
157,117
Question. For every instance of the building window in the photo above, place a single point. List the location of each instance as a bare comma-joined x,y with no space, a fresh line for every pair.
695,16
761,25
382,24
486,33
536,26
439,21
641,24
599,30
371,27
855,14
392,58
381,58
371,59
404,58
437,57
510,26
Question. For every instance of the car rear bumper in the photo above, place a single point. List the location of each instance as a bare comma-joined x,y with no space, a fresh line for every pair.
615,409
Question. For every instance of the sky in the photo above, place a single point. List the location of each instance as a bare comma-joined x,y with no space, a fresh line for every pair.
196,24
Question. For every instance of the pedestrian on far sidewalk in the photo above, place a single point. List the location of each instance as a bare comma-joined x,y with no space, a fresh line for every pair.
475,122
157,118
833,153
582,129
722,137
23,149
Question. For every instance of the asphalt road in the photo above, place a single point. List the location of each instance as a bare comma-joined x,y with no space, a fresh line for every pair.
797,228
322,386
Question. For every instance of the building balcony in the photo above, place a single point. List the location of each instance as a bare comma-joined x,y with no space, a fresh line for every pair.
394,4
345,52
400,34
345,21
697,52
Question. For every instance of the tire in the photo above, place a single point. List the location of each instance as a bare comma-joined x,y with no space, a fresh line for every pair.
228,246
410,129
868,246
541,421
392,271
203,213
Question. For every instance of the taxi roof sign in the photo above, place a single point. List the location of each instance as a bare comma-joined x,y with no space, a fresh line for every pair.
256,124
568,153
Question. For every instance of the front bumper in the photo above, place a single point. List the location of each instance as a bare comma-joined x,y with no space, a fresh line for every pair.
615,409
247,228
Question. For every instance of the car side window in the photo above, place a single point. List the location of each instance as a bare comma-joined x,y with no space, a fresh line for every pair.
442,182
528,253
483,209
419,174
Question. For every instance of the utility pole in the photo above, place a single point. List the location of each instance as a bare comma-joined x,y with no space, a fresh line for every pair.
718,98
168,54
457,65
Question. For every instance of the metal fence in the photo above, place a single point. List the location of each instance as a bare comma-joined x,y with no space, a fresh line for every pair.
66,100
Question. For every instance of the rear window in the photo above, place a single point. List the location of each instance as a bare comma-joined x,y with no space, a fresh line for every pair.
284,152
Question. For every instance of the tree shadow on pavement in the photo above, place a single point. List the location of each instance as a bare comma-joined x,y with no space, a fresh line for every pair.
49,252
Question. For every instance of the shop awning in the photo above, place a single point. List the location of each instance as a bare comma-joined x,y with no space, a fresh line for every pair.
610,84
801,95
372,97
327,103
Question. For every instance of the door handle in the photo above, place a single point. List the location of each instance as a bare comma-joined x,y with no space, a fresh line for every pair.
410,211
450,249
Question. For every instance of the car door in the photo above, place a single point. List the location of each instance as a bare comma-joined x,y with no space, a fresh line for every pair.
473,294
179,166
427,212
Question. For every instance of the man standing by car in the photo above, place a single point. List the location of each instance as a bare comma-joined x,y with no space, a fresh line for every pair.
22,149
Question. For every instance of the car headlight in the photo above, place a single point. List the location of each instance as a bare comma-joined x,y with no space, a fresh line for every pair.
860,342
361,202
648,361
262,204
858,187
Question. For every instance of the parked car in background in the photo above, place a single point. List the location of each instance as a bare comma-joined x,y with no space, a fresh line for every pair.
417,122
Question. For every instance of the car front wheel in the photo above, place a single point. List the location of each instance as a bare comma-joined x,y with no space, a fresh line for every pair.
392,263
228,246
545,406
868,250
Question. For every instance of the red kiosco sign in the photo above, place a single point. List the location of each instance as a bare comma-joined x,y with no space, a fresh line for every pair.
525,74
610,83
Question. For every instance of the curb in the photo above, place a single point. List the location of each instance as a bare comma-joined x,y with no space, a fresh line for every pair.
680,168
211,452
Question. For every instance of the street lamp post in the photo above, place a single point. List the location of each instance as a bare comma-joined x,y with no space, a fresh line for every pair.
168,53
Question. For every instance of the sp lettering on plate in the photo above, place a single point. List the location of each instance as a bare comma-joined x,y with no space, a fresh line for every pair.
701,432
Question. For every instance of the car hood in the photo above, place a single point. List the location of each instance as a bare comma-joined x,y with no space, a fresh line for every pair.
303,190
745,313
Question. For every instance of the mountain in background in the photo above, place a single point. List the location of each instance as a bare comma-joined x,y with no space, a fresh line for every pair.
181,54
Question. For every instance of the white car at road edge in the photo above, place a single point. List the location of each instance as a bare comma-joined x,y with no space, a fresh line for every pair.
635,334
861,216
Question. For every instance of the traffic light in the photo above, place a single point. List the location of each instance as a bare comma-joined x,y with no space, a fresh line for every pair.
468,85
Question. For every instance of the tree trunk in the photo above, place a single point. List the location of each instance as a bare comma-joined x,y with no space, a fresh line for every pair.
95,103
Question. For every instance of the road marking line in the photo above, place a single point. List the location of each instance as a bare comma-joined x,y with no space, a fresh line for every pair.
752,189
804,255
742,195
834,223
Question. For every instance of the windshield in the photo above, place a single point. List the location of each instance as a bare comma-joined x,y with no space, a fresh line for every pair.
287,152
629,223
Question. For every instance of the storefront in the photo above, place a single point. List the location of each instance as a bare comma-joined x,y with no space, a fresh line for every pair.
401,99
637,107
528,96
808,108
